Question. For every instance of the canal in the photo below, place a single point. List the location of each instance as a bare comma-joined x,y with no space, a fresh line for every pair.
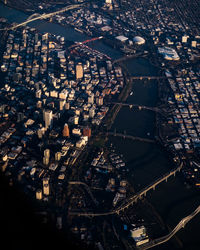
146,161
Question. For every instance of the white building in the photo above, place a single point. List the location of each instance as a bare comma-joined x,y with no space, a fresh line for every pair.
48,118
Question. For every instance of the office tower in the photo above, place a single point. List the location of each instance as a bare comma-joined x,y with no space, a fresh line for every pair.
194,44
39,194
87,132
48,118
184,39
67,105
76,119
61,104
46,189
45,160
38,93
79,71
91,98
40,133
57,156
99,100
47,153
20,117
92,112
66,130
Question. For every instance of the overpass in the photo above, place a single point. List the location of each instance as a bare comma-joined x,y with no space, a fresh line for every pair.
36,16
167,237
134,198
134,138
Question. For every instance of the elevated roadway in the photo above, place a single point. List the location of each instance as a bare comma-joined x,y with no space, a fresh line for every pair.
134,198
36,16
167,237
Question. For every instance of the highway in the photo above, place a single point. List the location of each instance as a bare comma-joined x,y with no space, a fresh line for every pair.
167,237
36,16
131,200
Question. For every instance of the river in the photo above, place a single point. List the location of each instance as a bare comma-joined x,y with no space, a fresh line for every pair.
147,161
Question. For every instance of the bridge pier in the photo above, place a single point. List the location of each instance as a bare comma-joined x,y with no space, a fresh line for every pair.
154,187
166,179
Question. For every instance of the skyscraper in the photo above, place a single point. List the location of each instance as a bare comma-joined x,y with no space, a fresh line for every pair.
66,130
87,132
79,71
48,118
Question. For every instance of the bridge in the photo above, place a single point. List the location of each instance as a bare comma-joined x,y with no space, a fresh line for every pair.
127,57
125,136
148,77
140,107
167,237
84,42
134,198
87,188
36,16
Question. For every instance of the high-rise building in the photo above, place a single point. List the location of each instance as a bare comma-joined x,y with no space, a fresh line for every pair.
99,100
67,105
194,44
57,156
92,112
79,71
76,119
45,160
61,104
47,153
184,39
91,98
48,118
38,93
39,194
46,189
66,130
87,132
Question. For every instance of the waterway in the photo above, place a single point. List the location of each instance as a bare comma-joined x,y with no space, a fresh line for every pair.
147,161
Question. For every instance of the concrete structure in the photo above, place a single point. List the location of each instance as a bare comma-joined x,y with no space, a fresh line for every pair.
138,40
39,194
66,130
48,118
122,38
139,235
79,71
87,132
168,53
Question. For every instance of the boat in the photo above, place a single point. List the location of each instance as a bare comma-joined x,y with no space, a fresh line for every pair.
131,93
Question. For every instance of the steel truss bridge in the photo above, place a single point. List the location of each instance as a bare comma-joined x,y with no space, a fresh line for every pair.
134,198
37,16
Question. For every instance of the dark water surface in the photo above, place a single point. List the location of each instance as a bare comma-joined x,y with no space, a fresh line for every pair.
147,161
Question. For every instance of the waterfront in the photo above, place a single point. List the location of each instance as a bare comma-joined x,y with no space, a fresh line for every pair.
147,161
